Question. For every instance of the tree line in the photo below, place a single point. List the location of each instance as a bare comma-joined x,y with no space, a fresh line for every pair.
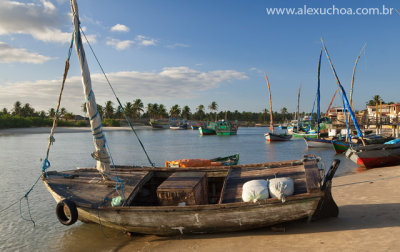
23,115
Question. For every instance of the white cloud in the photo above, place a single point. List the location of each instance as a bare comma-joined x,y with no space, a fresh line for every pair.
177,45
142,40
10,54
172,82
119,44
120,28
40,20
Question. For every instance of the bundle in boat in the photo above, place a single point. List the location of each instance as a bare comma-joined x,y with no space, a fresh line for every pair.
198,162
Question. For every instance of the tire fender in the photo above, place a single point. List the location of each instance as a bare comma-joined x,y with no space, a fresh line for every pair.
66,206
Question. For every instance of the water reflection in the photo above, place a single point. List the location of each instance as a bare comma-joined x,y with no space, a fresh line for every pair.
20,165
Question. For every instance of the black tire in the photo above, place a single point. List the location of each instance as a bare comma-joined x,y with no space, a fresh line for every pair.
61,213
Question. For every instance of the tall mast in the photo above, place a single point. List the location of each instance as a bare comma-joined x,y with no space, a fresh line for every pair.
271,126
100,154
345,101
352,78
318,94
298,106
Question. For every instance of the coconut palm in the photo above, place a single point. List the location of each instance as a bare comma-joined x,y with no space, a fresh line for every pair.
162,111
175,111
214,107
17,108
137,107
129,109
185,112
109,110
200,112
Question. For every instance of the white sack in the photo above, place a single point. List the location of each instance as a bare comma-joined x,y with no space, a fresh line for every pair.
254,190
281,187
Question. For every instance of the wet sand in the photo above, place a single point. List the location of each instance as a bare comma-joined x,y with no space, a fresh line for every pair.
42,130
369,220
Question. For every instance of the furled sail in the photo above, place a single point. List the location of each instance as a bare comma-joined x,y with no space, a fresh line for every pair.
100,154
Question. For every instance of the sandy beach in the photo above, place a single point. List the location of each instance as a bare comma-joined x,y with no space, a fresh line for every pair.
42,130
369,220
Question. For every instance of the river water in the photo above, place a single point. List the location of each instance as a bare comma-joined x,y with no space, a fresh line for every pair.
20,166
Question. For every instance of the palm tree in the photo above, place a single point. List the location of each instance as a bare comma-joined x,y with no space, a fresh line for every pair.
100,110
175,111
185,112
154,110
137,108
162,111
109,110
214,107
375,100
149,109
200,112
17,108
52,112
129,110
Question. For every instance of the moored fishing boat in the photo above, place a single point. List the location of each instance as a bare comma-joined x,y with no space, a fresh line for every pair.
159,125
170,201
225,128
272,136
375,155
207,129
318,142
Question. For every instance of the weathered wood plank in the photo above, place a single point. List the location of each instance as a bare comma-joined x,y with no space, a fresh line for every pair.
312,176
136,187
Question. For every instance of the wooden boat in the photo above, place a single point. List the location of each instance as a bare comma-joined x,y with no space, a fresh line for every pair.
311,134
218,161
375,155
159,125
275,137
342,146
271,136
225,128
218,206
318,142
207,129
169,201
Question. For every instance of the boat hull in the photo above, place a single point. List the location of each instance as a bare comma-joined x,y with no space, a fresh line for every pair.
302,135
373,156
318,143
340,147
166,220
206,131
271,137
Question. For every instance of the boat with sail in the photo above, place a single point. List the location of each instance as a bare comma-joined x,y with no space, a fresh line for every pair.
318,142
273,136
171,201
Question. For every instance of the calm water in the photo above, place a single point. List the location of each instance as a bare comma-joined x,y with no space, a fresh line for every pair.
20,166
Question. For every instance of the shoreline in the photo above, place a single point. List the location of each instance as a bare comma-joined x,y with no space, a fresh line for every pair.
368,220
43,130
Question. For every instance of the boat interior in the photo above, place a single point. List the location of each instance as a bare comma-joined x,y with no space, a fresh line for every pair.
178,186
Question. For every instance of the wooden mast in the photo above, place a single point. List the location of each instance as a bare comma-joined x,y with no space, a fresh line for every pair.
298,108
100,153
352,79
271,126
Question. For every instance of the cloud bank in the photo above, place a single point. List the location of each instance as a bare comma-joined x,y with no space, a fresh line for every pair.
10,54
175,83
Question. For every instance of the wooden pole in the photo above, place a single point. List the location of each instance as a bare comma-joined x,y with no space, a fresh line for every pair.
271,126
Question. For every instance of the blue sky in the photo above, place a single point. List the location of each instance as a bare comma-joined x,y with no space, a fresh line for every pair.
195,52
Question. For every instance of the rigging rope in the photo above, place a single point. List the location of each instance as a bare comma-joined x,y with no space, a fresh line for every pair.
119,102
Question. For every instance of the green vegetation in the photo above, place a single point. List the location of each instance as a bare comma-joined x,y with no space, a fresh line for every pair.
26,116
